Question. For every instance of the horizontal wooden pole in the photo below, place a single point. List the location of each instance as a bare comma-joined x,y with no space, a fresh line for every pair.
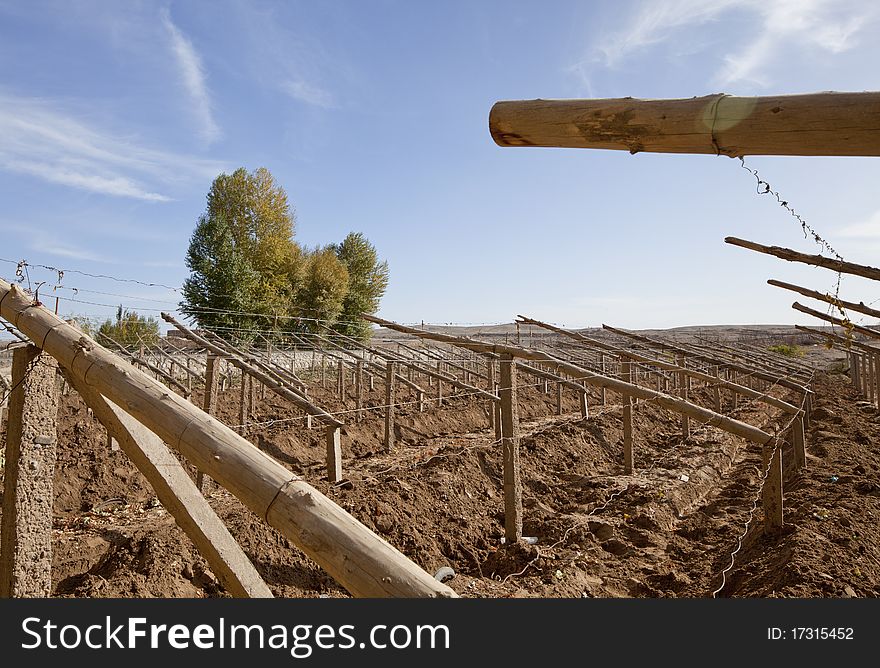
357,558
848,343
812,124
836,321
816,260
674,404
821,296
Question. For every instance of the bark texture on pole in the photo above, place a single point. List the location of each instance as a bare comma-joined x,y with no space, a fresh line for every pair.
812,124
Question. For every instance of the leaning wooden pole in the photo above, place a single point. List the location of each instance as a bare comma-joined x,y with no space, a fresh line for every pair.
354,556
741,429
821,296
836,321
813,124
816,260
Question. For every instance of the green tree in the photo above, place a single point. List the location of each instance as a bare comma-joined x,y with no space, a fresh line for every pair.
241,254
367,282
129,329
322,291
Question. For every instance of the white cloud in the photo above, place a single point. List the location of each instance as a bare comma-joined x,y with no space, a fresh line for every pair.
306,92
868,229
39,139
830,26
192,75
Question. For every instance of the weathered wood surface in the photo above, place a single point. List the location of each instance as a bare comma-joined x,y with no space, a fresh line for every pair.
821,296
361,561
813,124
836,321
816,260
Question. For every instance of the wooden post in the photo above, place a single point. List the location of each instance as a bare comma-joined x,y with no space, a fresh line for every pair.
683,383
854,369
340,380
359,389
716,393
242,405
323,371
420,397
798,442
439,386
628,460
26,530
772,492
559,398
510,450
333,436
390,400
585,407
602,399
209,403
490,385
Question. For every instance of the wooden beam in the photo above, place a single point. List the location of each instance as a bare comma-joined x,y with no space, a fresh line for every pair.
813,124
361,561
816,260
806,292
836,321
178,495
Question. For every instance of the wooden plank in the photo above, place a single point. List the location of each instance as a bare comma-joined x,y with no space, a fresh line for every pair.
813,124
510,449
333,441
361,561
28,489
178,495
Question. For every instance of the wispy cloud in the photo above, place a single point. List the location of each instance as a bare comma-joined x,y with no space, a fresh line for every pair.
830,26
868,229
39,139
306,92
192,75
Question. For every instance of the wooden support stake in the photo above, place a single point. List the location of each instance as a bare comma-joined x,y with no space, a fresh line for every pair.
28,492
628,459
490,385
209,404
683,383
439,386
716,393
772,491
390,400
333,437
340,380
559,398
242,405
179,496
584,405
359,389
798,441
510,450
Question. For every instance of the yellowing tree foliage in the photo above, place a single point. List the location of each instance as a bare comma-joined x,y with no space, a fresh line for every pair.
247,273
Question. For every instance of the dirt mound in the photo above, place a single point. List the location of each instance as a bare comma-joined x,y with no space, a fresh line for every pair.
666,530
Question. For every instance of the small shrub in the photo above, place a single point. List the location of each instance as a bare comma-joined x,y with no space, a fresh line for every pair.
787,350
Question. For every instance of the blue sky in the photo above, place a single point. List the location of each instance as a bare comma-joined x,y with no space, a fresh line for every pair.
115,118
